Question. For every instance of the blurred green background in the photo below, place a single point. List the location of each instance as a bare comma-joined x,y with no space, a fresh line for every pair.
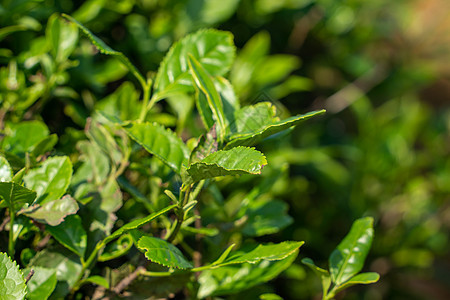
381,68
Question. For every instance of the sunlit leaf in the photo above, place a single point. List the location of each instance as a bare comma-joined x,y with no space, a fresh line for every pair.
5,170
41,284
363,278
22,137
12,283
14,196
161,252
53,212
62,37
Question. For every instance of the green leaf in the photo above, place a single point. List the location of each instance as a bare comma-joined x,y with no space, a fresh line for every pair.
117,248
12,283
5,170
232,279
22,137
123,103
348,258
253,123
161,252
137,224
270,252
206,145
15,196
62,37
71,234
224,255
45,145
266,217
98,280
363,278
321,273
270,296
205,84
42,283
53,212
105,49
212,48
161,142
51,179
239,160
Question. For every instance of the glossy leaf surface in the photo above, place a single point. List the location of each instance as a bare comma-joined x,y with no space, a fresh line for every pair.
363,278
161,252
12,283
51,179
212,48
161,142
41,284
5,170
22,137
14,196
239,160
348,258
54,212
71,234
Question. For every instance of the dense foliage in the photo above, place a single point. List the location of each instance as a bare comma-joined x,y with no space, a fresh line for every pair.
134,172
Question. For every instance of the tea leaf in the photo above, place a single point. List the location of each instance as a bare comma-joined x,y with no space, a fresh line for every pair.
348,258
5,170
53,212
239,160
14,196
62,37
51,179
214,49
12,283
161,252
22,137
321,273
41,284
161,142
71,234
363,278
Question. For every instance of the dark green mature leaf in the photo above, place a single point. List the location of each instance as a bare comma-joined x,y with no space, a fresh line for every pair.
105,49
12,283
54,212
51,179
161,142
363,278
71,234
212,48
5,170
205,84
254,124
161,252
266,217
41,284
234,278
270,252
239,160
348,258
62,38
23,137
14,196
136,224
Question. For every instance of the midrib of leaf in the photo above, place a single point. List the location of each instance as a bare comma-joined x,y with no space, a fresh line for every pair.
341,271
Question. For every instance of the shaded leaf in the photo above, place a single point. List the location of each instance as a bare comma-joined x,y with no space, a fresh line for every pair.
348,258
123,103
161,142
14,196
105,49
206,145
117,248
51,179
98,280
62,38
22,137
12,283
5,170
234,278
45,145
214,49
41,284
161,252
239,160
321,273
54,212
71,234
136,224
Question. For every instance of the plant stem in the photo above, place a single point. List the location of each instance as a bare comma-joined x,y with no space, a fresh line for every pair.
86,265
180,214
11,250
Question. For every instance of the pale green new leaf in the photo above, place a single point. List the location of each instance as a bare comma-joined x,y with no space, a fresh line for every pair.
12,283
348,258
270,297
98,280
205,84
105,49
135,224
363,278
51,179
22,137
239,160
254,124
161,252
41,284
62,38
161,142
71,234
53,212
214,49
234,278
14,196
5,170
